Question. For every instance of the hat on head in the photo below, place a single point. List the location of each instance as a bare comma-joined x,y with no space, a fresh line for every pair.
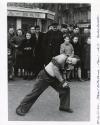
89,26
63,25
71,25
37,26
54,24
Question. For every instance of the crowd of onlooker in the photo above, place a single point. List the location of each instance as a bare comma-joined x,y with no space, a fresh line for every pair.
29,52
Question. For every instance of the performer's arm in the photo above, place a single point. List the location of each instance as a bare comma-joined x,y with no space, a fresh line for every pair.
58,75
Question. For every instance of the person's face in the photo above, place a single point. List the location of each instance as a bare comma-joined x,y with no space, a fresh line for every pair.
75,39
19,32
28,36
77,30
64,30
74,30
88,41
50,27
32,29
37,30
11,31
70,28
67,40
54,28
86,30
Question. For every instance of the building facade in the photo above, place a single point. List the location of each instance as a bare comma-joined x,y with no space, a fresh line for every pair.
24,18
25,15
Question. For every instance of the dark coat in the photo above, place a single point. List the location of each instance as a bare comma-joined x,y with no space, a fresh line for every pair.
53,40
27,48
39,52
77,48
18,53
87,56
10,41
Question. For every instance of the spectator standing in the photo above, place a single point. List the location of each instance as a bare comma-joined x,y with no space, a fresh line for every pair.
84,36
27,49
77,54
87,58
68,50
18,66
64,30
11,54
70,30
39,50
33,37
53,40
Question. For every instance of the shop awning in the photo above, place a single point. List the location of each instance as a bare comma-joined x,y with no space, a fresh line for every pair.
30,13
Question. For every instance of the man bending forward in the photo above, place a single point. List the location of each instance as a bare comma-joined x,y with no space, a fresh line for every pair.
52,75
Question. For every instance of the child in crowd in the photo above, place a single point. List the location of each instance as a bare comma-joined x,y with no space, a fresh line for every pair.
87,58
77,54
68,50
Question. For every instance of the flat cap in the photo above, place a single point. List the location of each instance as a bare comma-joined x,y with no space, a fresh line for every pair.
54,24
64,26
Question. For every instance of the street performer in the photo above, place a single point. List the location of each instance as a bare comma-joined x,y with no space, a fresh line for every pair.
52,75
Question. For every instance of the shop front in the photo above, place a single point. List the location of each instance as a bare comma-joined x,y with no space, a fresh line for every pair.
24,18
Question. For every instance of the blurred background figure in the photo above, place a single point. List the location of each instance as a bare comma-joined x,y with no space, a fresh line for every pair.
84,36
18,66
11,54
64,30
27,48
77,53
53,40
87,50
39,51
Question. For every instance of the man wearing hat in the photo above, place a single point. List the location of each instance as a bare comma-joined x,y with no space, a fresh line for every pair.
53,40
52,75
64,30
39,50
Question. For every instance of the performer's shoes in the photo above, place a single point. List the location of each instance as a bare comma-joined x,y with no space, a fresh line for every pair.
66,110
20,111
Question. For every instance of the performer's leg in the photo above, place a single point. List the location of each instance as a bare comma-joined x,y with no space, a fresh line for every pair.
64,95
30,99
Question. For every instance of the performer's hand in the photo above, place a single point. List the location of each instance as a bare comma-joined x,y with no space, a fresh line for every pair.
65,85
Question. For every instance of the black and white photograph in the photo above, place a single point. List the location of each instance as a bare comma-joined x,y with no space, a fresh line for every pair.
49,47
50,62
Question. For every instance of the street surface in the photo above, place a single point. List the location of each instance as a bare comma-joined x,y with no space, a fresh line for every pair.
46,107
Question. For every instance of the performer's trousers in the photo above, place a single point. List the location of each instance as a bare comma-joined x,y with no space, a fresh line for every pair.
42,82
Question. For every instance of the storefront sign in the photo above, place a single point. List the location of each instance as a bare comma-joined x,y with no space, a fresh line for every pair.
49,16
26,14
83,25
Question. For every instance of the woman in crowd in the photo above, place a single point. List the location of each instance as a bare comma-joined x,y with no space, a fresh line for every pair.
27,49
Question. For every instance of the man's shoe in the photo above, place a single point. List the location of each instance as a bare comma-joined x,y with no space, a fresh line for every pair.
69,80
80,80
66,110
20,112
